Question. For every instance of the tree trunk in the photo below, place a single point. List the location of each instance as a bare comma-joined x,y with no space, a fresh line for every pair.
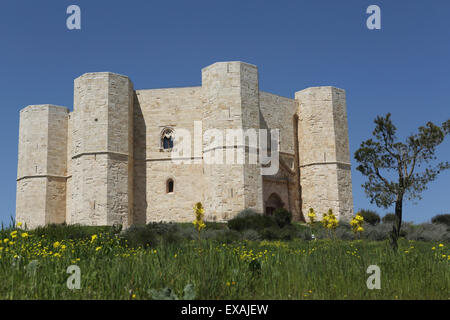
398,221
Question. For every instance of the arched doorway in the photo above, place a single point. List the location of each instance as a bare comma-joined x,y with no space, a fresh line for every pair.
273,202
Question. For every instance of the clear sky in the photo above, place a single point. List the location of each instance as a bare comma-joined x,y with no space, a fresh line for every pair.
403,68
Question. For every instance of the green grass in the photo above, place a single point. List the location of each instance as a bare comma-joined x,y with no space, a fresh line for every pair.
321,269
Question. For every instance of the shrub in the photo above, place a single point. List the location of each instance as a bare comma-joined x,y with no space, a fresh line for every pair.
286,233
302,231
388,218
155,233
246,212
251,235
225,236
62,231
344,231
282,217
251,221
441,218
370,216
427,232
378,232
271,233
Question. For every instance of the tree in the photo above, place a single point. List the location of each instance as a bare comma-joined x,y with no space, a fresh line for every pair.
370,216
392,166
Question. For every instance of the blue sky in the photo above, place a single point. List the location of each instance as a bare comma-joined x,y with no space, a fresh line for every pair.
403,68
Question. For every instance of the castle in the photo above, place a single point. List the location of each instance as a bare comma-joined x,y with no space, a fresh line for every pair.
110,161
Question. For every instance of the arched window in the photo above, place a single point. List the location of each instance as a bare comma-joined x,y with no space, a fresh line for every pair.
167,138
169,186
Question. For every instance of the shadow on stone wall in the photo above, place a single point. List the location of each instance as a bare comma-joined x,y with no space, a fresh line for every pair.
140,164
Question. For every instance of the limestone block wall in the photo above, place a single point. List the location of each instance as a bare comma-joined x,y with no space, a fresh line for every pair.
231,97
42,165
102,189
250,110
324,151
277,113
176,205
154,111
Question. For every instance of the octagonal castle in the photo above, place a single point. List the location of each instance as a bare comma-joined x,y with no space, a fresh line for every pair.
109,160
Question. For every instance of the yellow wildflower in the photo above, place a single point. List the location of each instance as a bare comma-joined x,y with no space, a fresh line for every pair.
311,215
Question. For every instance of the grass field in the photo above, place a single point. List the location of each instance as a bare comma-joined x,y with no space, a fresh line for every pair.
34,265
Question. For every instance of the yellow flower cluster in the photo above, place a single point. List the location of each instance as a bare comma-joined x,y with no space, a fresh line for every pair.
357,222
199,214
329,220
311,215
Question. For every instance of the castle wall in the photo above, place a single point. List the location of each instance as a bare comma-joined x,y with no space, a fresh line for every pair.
188,189
277,113
155,110
104,164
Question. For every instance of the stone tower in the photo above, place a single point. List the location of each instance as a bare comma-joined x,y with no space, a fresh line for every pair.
324,151
42,165
231,96
101,183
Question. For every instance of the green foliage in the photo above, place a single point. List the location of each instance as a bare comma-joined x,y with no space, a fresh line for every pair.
246,212
385,156
155,233
223,236
254,226
282,217
251,220
382,232
242,270
168,294
62,231
427,232
388,218
255,267
441,218
370,216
